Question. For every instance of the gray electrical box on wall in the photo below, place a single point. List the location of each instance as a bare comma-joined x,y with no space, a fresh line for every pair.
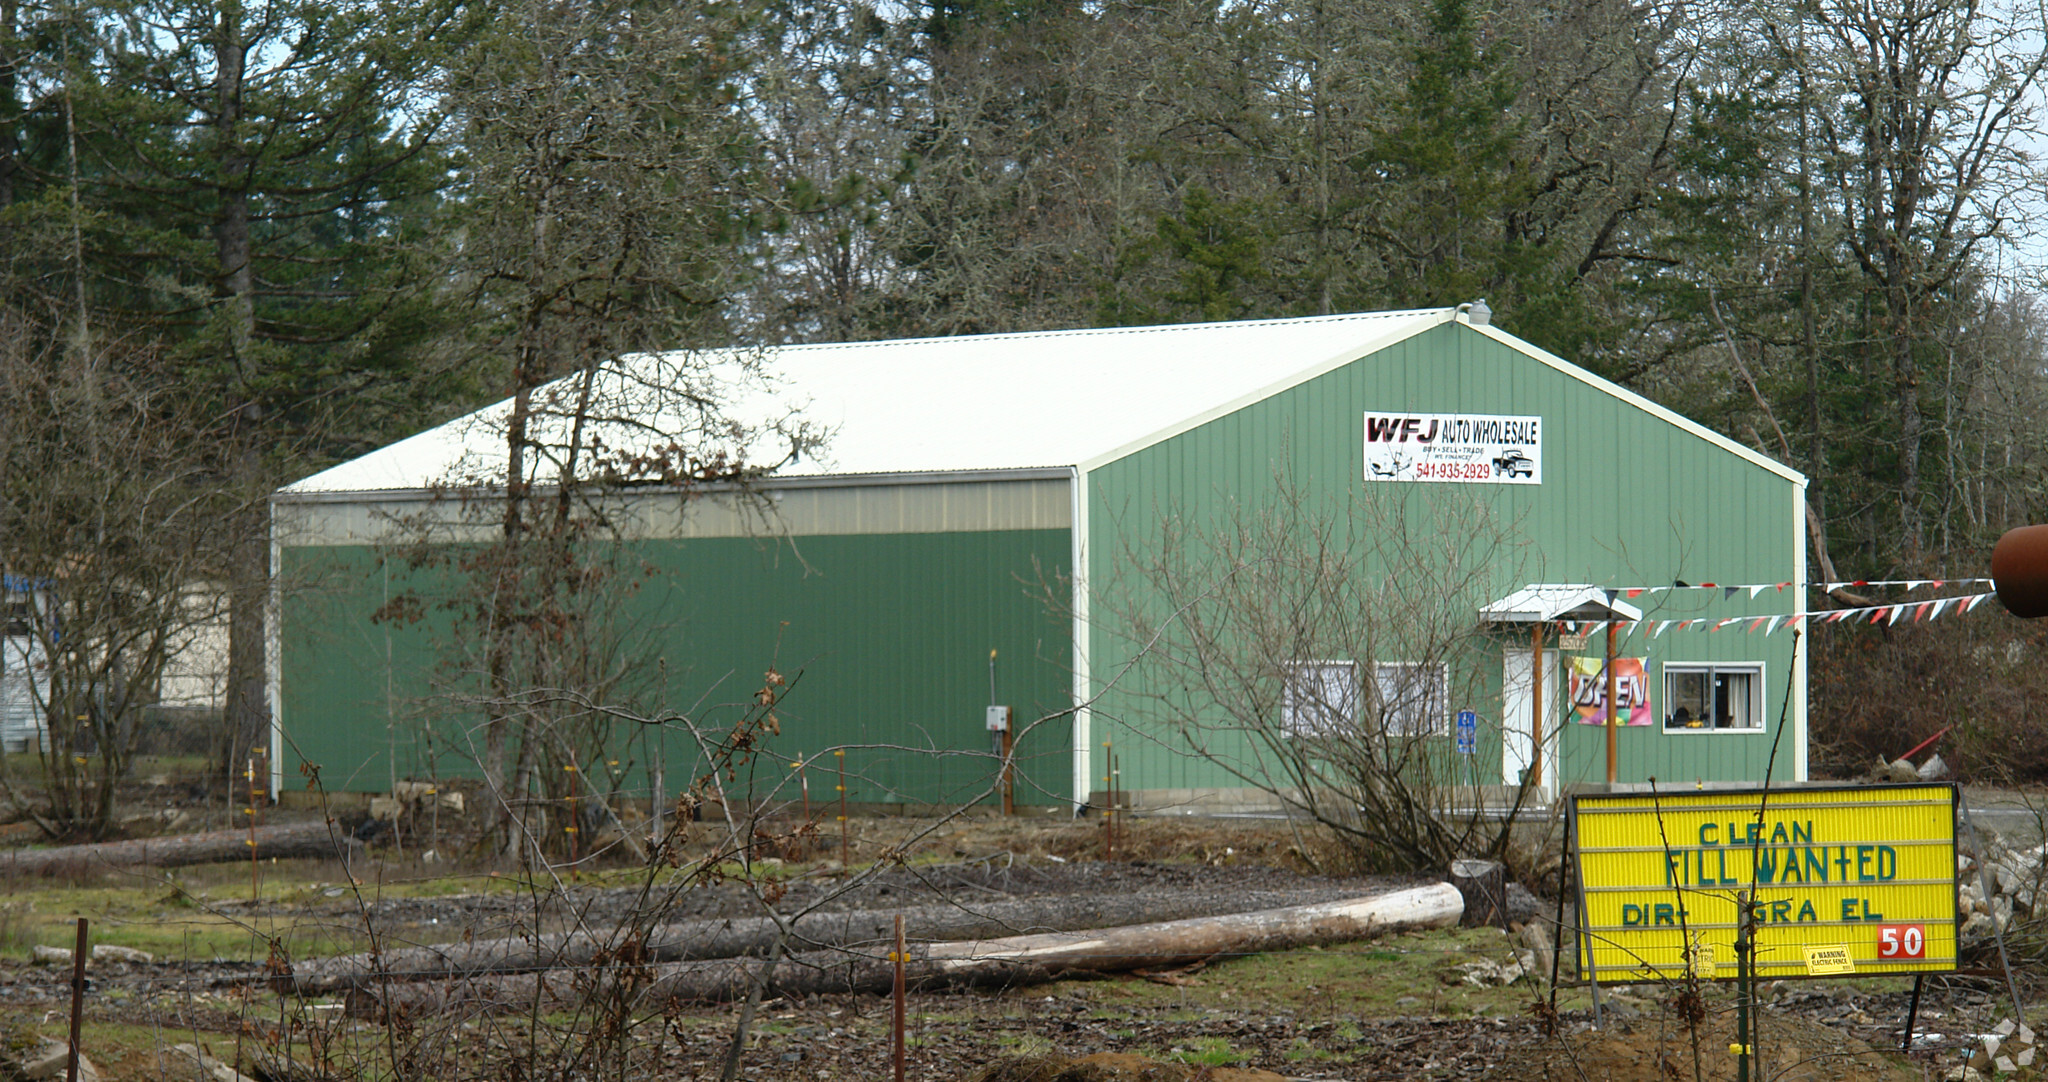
999,719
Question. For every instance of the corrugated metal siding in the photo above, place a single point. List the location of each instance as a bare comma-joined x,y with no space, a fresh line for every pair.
1627,499
881,508
885,635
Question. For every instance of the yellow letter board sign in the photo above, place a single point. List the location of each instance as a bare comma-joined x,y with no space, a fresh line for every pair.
1871,868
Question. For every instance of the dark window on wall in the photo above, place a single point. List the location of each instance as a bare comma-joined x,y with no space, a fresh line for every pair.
1708,698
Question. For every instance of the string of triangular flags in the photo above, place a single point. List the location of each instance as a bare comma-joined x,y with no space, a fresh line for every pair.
1912,611
1756,588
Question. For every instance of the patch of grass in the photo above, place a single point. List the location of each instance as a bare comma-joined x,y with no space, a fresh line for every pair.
1208,1052
172,918
1367,979
447,886
1024,1044
17,926
119,1049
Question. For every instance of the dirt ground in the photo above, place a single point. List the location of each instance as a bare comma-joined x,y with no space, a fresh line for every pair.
1398,1007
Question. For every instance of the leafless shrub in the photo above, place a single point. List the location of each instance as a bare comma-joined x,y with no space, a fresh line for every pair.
1314,650
107,542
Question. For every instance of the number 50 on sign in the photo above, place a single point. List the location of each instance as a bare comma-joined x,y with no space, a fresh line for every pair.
1901,941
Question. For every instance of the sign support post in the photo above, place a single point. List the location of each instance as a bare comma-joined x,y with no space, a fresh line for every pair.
1585,926
1536,706
1613,720
1912,1012
1745,943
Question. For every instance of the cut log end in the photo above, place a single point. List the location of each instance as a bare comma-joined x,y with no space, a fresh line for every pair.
1483,884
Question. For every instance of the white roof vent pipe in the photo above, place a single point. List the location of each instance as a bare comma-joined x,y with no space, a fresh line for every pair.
1476,312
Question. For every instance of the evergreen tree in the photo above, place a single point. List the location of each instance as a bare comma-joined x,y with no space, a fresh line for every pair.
1448,174
260,177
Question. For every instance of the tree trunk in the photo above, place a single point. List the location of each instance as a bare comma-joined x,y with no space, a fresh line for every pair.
248,573
698,940
1906,391
1014,960
247,723
1484,886
507,594
524,823
212,847
10,143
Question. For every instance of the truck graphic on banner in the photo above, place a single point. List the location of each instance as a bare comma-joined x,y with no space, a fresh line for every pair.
1471,448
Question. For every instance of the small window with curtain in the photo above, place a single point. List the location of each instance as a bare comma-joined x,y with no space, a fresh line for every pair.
1713,698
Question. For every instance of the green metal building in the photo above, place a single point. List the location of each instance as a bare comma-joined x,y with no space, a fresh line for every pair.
1014,493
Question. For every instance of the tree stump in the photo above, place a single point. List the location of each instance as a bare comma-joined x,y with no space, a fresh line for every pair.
1484,886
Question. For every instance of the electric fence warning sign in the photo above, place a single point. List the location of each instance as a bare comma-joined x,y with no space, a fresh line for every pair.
1838,881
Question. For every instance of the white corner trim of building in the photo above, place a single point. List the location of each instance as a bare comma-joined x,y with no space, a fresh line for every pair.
1083,642
1803,643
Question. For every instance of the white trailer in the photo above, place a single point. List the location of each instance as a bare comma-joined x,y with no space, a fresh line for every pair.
24,673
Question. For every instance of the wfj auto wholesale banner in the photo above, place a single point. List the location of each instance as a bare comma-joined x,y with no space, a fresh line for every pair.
1463,447
1631,688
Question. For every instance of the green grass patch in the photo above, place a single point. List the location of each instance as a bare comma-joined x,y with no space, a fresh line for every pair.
1407,974
1301,1050
1208,1052
170,916
1024,1044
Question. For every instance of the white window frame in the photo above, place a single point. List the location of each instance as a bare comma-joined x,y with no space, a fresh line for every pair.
1297,704
1436,706
1755,670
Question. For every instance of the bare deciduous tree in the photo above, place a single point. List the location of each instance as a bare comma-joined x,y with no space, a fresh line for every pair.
107,530
1930,103
1313,649
608,209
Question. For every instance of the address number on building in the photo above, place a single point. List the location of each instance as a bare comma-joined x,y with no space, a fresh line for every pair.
1901,941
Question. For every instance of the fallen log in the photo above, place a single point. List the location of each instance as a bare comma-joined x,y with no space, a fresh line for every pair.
698,940
1012,960
181,850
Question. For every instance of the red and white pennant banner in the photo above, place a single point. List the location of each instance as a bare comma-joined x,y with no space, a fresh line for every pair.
1910,611
1755,588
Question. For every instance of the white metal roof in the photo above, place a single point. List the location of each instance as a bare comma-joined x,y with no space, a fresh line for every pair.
939,405
1540,602
985,402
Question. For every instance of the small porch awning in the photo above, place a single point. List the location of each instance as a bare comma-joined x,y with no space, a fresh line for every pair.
1544,602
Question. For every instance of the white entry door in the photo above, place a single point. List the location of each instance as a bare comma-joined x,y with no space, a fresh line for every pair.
1518,731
